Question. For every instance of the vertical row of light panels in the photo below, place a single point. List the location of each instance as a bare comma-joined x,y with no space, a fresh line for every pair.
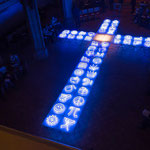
67,109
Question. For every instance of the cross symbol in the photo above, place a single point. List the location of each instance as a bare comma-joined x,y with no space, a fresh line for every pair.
75,93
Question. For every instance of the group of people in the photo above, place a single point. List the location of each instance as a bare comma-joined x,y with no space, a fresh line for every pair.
10,71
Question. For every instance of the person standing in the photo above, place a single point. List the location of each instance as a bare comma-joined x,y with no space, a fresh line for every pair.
133,4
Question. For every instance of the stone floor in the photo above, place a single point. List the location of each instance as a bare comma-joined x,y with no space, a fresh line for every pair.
112,114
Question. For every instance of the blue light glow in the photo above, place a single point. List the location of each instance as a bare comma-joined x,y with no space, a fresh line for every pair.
90,53
88,38
91,74
85,59
147,42
79,37
82,33
127,39
83,91
62,35
117,39
65,97
79,72
82,65
91,34
97,61
66,32
74,32
94,43
92,48
73,111
137,41
93,67
70,88
87,82
78,101
52,120
105,44
74,80
71,36
67,124
59,108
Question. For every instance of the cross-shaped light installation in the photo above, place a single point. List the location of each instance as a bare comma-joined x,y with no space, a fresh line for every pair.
66,111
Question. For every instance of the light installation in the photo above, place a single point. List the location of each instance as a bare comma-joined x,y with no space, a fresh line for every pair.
66,111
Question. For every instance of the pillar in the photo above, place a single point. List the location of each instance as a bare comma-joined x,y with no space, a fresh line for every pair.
67,9
32,13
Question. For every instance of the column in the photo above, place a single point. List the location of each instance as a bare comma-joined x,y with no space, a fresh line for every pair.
32,13
67,9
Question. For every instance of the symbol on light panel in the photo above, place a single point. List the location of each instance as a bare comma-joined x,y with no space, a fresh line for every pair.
102,30
78,101
79,72
91,48
147,42
79,37
65,97
70,88
91,74
63,35
83,91
107,20
59,108
98,54
137,41
66,32
97,61
87,82
127,40
105,44
94,43
74,32
93,67
89,53
52,120
67,123
73,111
85,59
74,80
71,36
91,34
82,65
82,33
117,39
88,38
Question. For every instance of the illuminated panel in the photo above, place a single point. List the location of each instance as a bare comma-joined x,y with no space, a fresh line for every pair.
147,42
66,111
127,40
103,38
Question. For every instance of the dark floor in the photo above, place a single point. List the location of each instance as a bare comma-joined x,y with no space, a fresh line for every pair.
112,114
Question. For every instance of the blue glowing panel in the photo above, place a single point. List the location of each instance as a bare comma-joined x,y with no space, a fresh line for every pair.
127,40
74,32
88,38
65,113
147,42
67,124
137,41
71,36
118,39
